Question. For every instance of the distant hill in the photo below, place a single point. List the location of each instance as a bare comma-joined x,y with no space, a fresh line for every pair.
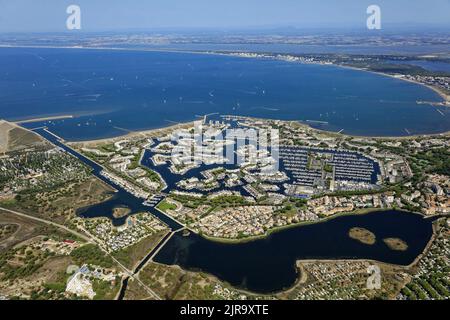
15,138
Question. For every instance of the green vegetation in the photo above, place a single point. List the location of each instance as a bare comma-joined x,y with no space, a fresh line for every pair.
57,234
286,210
434,286
362,235
30,264
433,161
58,285
133,254
406,291
6,230
410,207
108,147
433,281
22,262
173,283
55,286
10,202
386,64
328,167
215,203
91,254
164,206
105,290
50,171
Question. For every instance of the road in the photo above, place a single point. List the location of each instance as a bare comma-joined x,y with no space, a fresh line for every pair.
60,142
129,272
60,226
90,239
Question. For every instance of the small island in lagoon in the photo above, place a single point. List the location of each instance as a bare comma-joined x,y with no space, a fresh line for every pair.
396,244
362,235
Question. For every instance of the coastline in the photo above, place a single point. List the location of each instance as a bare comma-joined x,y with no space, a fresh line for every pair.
335,133
302,275
56,116
427,247
152,132
147,133
442,94
32,120
231,54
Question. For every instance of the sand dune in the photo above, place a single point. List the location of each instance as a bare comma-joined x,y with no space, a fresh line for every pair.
14,137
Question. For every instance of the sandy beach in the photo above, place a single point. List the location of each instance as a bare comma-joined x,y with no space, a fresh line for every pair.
69,116
151,133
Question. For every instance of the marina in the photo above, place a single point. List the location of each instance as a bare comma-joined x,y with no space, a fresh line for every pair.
247,265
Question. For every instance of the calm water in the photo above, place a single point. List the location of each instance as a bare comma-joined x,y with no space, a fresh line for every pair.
268,265
121,197
298,48
114,91
172,179
427,65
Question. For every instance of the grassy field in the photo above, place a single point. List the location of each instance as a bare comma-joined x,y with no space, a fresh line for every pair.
4,135
14,138
25,270
91,254
20,138
61,204
172,283
164,206
26,229
7,230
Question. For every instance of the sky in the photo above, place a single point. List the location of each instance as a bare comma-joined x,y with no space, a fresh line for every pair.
117,15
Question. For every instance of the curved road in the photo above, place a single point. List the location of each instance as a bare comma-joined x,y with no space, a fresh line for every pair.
90,239
60,226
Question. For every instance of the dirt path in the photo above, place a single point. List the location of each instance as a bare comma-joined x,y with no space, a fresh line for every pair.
82,236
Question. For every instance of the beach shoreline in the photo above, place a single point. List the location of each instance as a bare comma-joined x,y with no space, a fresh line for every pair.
150,131
153,132
442,94
42,119
147,133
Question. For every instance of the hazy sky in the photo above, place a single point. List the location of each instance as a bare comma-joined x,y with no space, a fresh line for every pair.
98,15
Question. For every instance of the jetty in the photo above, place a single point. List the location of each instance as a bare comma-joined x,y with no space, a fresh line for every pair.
42,119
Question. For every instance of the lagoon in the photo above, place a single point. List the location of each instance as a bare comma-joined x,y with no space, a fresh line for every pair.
269,265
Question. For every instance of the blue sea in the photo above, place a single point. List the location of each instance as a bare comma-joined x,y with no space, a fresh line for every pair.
113,91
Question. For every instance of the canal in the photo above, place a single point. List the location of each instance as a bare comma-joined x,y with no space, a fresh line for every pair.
269,264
